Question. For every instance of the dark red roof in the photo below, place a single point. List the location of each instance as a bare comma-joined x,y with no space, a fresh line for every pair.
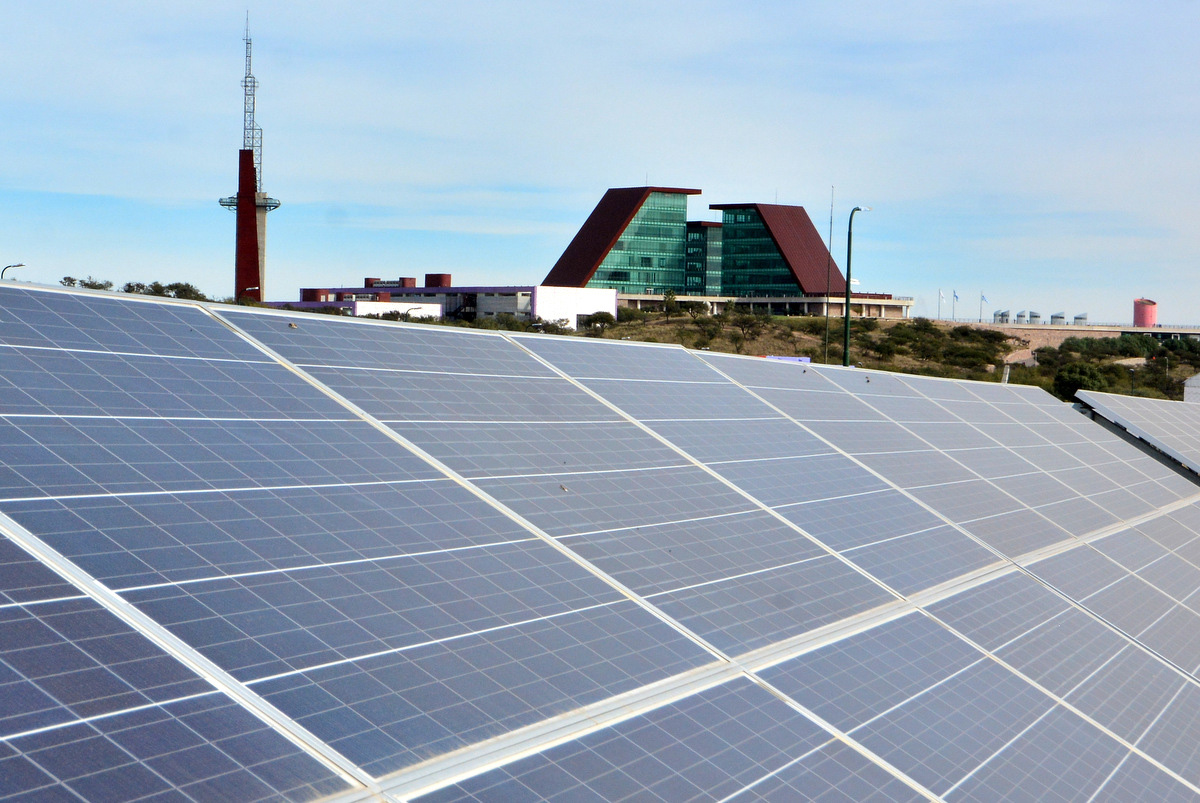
600,233
800,245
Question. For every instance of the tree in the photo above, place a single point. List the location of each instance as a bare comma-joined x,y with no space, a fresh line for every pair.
694,308
630,315
89,283
183,290
749,324
597,322
186,291
670,305
1078,376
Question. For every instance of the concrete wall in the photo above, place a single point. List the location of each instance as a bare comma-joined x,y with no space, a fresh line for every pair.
553,303
488,304
381,307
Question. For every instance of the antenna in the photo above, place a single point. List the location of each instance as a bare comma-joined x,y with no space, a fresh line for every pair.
251,134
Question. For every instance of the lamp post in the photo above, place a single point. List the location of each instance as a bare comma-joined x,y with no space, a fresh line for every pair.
849,243
6,267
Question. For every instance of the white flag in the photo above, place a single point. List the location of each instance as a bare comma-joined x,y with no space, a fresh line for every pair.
941,296
983,298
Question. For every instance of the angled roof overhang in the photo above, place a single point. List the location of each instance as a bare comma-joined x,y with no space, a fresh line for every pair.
600,233
800,245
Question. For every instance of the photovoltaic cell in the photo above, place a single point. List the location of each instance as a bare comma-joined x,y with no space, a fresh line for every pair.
914,469
1063,652
870,383
759,373
392,710
544,448
745,612
166,538
1079,517
792,481
951,730
749,439
704,747
867,437
287,621
78,383
816,406
199,748
1128,693
1131,549
922,560
87,704
423,397
1131,604
1062,757
967,500
1016,532
1175,576
859,518
859,678
1000,611
596,359
955,436
1174,738
568,504
1176,636
650,400
67,457
331,342
835,772
51,319
909,410
1137,777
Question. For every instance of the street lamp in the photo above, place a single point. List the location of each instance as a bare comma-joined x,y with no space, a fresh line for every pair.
6,267
849,242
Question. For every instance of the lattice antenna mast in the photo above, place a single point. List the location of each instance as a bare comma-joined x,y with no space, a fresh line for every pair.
252,134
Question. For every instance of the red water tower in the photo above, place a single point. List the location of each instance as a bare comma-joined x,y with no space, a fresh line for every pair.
1145,312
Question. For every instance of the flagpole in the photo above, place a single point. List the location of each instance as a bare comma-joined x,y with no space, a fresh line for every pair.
953,303
981,306
939,303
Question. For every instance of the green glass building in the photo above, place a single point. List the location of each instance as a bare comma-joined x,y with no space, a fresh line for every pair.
702,259
634,242
774,251
638,241
752,264
648,257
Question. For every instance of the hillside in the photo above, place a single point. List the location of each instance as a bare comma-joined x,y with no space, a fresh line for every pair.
1130,364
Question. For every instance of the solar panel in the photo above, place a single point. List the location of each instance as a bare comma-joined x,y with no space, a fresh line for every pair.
1168,426
343,558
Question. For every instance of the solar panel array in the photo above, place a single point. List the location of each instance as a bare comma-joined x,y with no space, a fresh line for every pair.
255,555
1172,427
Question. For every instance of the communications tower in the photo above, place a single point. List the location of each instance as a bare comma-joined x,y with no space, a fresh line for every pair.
251,204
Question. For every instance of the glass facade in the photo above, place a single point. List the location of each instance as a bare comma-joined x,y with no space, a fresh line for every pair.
703,259
751,262
649,255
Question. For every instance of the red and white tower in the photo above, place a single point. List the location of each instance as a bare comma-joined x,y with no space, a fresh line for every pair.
250,203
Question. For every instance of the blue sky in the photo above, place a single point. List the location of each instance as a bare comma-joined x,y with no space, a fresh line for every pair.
1043,154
